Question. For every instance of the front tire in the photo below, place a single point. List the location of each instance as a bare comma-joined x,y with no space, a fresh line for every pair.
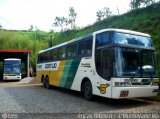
87,90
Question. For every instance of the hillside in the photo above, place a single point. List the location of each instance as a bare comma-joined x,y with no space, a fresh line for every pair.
145,20
36,41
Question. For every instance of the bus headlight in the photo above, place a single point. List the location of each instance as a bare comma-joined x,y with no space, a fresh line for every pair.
155,84
122,84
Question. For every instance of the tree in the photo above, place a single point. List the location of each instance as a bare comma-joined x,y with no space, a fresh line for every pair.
0,26
107,13
72,17
104,13
138,3
148,2
31,28
135,4
100,15
60,22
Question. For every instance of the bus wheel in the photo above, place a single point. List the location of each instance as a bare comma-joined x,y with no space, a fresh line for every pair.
87,90
47,83
44,82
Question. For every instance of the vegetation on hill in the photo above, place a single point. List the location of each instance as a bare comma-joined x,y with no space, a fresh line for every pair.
145,20
35,41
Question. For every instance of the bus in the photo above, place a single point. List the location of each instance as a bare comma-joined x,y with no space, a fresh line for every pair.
12,69
112,63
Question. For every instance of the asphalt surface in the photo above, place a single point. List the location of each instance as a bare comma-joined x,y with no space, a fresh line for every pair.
34,99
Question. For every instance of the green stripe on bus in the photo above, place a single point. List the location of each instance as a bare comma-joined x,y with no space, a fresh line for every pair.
65,73
72,73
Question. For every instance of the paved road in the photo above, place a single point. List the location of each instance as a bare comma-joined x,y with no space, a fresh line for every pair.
36,99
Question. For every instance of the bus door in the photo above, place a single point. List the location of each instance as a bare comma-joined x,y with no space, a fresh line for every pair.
105,63
105,66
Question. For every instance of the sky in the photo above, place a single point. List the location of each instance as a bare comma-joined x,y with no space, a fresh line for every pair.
20,14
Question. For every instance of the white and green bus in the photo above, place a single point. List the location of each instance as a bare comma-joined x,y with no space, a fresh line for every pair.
12,69
111,63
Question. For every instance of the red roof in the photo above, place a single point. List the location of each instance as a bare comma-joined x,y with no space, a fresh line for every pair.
15,51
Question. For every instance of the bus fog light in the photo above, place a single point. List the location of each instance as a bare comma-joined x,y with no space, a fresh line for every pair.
122,84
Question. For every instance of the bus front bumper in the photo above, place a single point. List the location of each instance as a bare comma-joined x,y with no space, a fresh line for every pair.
134,92
11,77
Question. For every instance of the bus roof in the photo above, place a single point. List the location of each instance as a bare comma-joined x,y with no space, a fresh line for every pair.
123,31
96,32
12,59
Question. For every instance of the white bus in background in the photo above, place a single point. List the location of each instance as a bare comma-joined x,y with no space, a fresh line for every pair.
111,63
12,69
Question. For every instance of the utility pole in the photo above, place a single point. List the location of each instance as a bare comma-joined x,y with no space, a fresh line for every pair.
50,41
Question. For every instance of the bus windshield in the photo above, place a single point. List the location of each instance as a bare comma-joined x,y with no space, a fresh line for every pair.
7,69
130,39
134,62
12,69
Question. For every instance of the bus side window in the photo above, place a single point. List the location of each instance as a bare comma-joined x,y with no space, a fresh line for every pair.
61,52
88,46
85,47
53,54
47,56
102,39
81,49
72,50
39,58
42,57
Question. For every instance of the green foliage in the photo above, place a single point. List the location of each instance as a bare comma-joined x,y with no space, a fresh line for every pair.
104,13
140,3
35,41
143,20
72,17
63,22
60,22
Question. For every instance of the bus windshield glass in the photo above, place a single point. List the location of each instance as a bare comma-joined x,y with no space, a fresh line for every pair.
134,62
8,69
12,69
130,39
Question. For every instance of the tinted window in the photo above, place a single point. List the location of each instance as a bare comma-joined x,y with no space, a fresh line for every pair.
85,47
103,63
12,62
41,57
61,52
47,56
124,38
72,49
102,39
53,54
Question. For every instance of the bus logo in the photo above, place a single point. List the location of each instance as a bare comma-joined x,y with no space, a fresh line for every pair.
51,66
